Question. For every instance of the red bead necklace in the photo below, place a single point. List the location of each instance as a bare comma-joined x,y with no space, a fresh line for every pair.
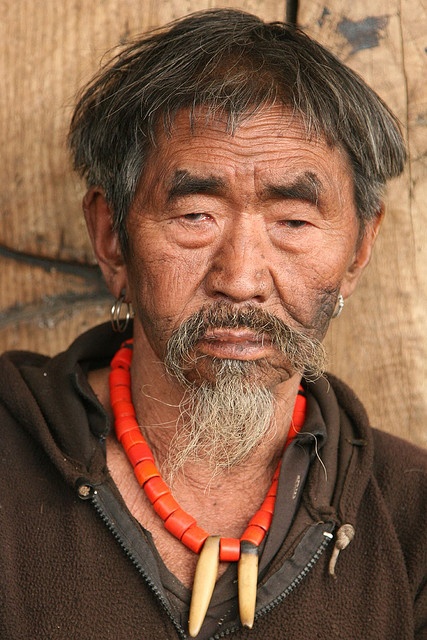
177,521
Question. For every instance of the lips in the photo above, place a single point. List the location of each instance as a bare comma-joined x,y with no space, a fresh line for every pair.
234,335
240,344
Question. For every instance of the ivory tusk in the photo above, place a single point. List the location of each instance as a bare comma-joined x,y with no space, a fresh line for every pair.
247,579
204,584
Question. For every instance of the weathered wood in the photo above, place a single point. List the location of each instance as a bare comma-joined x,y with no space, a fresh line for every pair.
37,296
379,344
50,328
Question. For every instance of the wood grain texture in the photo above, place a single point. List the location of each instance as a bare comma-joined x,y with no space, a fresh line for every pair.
379,343
50,289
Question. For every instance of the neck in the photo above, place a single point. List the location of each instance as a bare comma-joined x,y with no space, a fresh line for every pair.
237,493
158,403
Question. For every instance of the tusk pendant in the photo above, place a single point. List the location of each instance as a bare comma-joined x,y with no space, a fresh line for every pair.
247,579
204,584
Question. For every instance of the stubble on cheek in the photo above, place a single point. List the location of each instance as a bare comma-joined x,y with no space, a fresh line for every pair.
322,313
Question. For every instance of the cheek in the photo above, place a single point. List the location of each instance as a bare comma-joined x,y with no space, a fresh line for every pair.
300,276
330,261
309,283
164,285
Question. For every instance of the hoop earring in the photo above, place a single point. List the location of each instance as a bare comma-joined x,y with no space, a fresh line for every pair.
339,307
118,323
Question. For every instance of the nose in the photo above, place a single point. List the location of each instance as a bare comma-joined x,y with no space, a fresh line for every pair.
240,270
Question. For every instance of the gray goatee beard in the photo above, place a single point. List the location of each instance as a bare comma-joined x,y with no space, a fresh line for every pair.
223,421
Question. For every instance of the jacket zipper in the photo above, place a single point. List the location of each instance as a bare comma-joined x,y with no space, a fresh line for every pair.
294,584
152,586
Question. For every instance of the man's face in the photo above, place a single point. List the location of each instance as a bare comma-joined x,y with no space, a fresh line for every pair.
262,218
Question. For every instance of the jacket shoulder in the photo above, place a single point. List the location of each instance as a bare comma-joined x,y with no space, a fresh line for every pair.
397,460
400,469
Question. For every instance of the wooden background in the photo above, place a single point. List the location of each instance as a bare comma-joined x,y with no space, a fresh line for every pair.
50,288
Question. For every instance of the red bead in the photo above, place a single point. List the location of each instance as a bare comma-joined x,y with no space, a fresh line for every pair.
254,534
178,523
229,549
194,538
119,378
165,505
261,519
139,452
124,409
272,492
125,425
269,504
145,470
155,488
120,393
131,437
123,358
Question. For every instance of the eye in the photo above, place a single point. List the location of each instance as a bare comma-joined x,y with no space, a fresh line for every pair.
196,217
294,224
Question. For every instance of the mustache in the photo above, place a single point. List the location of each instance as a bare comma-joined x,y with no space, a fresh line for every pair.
306,355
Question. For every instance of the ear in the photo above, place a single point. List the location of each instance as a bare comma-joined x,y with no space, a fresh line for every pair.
105,240
362,254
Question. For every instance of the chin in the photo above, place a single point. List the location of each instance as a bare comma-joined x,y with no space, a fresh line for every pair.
259,373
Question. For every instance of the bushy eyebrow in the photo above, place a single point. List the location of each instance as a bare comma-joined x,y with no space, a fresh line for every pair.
306,187
184,183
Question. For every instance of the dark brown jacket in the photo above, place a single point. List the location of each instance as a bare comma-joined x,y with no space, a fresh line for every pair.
75,565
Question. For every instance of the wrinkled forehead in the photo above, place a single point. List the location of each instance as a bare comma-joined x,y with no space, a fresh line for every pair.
196,119
265,140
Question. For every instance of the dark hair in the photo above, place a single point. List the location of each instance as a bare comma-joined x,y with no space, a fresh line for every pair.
233,63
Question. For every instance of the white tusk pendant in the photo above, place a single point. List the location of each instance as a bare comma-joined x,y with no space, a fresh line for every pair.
204,584
247,579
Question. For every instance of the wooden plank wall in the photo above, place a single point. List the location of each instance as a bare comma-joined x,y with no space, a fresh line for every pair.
379,344
50,288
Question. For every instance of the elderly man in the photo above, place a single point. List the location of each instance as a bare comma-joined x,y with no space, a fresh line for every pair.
195,473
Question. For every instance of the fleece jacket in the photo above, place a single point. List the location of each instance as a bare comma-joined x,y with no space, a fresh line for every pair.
74,564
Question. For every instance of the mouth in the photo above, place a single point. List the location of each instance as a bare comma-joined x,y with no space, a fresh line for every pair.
235,344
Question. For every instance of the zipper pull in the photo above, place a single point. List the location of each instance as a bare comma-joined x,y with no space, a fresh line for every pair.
345,535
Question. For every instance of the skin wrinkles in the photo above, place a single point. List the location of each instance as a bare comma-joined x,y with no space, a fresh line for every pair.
243,148
263,217
225,207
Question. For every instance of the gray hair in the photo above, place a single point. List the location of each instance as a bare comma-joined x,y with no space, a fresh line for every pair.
233,63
